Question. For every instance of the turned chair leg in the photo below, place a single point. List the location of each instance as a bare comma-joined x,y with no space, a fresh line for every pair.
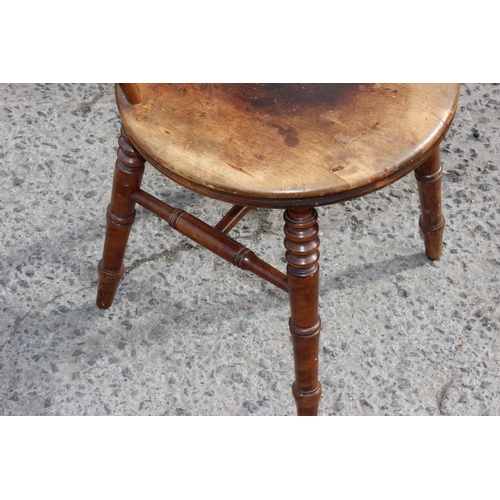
120,216
302,255
431,223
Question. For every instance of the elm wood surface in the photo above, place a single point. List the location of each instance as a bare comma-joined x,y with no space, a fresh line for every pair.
296,134
279,145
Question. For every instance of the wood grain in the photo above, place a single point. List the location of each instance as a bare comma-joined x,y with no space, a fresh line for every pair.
287,144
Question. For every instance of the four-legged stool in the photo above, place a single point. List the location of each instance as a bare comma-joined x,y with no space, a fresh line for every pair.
286,146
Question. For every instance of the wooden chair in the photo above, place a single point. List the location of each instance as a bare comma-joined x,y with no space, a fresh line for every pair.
287,146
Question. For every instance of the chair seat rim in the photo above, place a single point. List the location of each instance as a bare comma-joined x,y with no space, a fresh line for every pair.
290,201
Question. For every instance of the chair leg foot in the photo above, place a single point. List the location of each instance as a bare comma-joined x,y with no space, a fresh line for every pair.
120,216
306,389
107,285
302,255
307,402
433,239
429,175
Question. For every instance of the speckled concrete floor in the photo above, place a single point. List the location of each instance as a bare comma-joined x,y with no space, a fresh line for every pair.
190,335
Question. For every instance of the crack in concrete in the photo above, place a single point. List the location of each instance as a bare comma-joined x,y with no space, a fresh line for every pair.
442,394
86,107
169,254
265,225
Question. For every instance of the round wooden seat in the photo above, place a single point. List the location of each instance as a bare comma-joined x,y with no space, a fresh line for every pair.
279,145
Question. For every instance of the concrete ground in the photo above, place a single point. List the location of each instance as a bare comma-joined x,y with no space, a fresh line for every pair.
188,334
